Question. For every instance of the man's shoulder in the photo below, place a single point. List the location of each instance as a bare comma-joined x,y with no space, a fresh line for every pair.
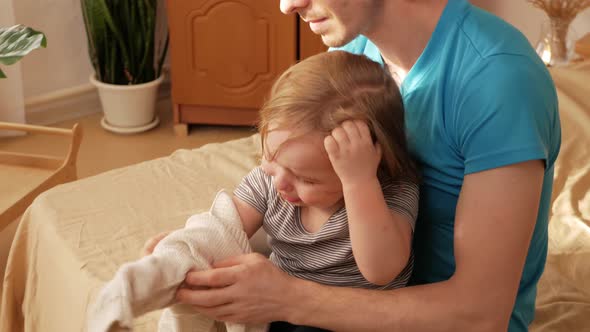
503,71
483,42
491,36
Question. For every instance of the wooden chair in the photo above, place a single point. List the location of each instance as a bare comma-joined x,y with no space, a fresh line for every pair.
24,176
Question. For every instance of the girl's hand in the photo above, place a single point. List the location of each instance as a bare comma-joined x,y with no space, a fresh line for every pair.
353,155
150,244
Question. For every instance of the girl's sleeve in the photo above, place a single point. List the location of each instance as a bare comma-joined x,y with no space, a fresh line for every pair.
254,189
403,197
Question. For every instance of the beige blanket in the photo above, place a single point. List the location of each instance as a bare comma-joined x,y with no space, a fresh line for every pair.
74,237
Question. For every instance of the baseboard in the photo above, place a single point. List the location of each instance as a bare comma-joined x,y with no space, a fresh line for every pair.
62,105
71,103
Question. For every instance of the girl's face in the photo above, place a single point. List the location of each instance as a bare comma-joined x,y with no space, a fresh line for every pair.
301,170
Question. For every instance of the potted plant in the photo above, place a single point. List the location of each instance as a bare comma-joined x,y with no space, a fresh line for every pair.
18,41
127,60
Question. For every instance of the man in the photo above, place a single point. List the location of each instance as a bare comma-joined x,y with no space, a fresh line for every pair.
482,120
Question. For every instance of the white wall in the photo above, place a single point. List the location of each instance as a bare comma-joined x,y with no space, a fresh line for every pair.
55,79
64,63
12,107
528,19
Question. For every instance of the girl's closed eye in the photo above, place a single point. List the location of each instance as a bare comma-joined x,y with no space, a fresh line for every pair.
307,181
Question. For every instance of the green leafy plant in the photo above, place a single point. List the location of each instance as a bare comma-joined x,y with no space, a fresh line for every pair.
18,41
122,40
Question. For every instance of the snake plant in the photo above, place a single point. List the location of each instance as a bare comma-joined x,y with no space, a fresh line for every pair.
122,40
16,42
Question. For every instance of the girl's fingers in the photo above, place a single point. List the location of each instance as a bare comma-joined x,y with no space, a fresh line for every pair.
363,129
331,146
340,136
150,245
351,129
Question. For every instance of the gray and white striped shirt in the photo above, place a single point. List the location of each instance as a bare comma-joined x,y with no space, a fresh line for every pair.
325,256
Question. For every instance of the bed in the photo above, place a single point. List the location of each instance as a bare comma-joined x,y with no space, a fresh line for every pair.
74,236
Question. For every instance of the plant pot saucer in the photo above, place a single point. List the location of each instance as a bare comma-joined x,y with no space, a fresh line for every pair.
129,130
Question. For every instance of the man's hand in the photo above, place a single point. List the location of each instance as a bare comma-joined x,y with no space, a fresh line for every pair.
150,244
242,289
353,155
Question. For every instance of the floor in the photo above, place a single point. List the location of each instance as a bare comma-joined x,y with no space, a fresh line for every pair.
102,151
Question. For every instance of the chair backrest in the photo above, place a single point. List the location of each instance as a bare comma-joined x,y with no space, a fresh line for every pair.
59,170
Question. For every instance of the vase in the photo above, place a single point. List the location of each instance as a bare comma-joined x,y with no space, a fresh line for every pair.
555,43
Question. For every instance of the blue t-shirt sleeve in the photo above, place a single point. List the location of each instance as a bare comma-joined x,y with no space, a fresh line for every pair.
504,114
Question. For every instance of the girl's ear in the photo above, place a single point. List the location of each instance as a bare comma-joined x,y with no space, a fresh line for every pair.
372,131
379,150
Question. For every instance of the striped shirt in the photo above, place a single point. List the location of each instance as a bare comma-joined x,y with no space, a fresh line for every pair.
325,256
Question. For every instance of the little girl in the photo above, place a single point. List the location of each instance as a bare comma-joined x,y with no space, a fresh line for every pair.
336,190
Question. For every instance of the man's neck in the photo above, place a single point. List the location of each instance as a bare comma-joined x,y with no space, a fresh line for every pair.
403,30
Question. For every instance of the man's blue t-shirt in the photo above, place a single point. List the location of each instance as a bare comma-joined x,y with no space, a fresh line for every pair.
477,98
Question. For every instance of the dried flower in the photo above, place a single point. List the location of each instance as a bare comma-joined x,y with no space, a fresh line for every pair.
565,9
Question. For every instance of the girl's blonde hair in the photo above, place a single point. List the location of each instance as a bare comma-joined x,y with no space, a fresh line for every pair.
321,92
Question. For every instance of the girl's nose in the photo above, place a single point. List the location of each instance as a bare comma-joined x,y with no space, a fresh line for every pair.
292,6
282,181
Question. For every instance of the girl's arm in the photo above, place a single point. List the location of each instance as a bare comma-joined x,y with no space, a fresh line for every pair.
250,199
251,218
380,238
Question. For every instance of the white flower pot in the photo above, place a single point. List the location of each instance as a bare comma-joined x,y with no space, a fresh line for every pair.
128,108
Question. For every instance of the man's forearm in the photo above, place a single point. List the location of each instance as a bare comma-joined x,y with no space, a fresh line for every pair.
440,306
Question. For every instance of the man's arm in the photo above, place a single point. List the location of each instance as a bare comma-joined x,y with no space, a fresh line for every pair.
495,217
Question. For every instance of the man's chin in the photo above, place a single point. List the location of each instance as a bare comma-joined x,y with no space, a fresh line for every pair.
333,41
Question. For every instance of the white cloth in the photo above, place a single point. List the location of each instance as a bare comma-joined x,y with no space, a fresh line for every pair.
151,282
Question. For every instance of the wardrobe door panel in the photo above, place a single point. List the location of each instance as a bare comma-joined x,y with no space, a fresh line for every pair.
227,53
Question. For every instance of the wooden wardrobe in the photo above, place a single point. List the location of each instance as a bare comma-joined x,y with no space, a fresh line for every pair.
225,55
